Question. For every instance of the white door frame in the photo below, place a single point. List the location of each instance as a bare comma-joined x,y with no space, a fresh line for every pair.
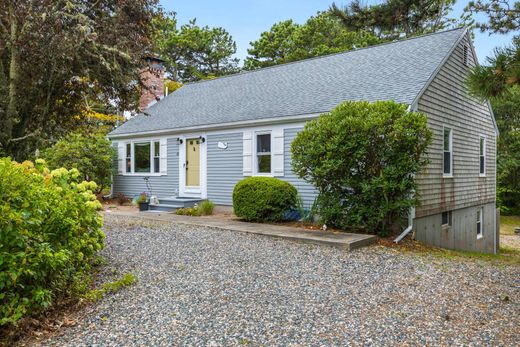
196,192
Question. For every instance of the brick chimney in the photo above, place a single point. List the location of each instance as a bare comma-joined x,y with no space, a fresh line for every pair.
152,80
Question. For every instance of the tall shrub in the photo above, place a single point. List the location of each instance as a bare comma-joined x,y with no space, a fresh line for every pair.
362,158
49,232
91,154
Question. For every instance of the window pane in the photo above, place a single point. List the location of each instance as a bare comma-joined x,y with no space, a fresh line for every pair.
156,146
447,162
481,146
128,153
264,163
155,164
478,215
128,165
445,219
482,165
447,139
142,157
479,230
263,143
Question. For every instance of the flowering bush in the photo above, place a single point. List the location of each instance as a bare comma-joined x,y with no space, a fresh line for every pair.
50,230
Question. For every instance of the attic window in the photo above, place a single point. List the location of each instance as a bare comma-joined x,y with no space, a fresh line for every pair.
465,55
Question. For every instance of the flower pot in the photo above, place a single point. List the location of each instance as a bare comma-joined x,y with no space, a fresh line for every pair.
144,206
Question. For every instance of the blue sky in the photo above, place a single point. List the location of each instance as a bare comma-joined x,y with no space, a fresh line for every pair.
246,19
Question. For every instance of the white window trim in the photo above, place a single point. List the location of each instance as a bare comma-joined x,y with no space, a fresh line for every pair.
481,221
255,156
484,155
450,174
132,158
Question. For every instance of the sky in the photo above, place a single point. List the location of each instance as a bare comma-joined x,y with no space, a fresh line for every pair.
245,20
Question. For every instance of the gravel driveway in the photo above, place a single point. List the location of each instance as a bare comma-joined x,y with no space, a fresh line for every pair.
200,286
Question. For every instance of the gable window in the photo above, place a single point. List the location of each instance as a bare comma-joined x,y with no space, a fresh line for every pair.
263,153
480,216
446,218
447,164
128,158
465,55
482,156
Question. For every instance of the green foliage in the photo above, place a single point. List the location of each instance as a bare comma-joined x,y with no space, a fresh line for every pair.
56,55
307,216
127,280
142,198
391,19
287,41
503,15
50,233
501,73
204,209
262,199
92,154
362,158
194,52
507,113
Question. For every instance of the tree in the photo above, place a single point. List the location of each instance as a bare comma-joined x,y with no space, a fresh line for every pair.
507,113
287,41
54,54
362,157
193,52
504,16
91,154
393,19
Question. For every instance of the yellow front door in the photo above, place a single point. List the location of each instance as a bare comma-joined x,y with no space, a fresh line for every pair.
192,162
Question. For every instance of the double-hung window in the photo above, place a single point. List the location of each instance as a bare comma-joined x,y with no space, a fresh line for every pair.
263,153
482,156
143,157
480,216
447,163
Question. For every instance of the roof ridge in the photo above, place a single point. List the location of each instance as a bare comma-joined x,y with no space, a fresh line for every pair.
324,56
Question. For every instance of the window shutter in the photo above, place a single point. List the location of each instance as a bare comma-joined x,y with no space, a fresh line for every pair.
163,153
278,152
248,153
121,158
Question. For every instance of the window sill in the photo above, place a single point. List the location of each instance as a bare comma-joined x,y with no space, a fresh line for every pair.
447,175
480,236
482,175
142,174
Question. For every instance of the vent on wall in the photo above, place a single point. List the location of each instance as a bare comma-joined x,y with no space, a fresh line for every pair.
465,55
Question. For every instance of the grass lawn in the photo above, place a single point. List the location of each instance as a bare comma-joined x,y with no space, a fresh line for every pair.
508,224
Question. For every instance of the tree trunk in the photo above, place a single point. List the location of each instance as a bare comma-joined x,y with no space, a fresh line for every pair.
14,75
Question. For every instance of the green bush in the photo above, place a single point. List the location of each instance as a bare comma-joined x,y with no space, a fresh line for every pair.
362,158
50,231
91,154
263,199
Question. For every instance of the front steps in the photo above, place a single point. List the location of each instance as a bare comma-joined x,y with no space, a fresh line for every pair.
174,203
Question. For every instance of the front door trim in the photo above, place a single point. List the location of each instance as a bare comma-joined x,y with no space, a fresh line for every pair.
197,192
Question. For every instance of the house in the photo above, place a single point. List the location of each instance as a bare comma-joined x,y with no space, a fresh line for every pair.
199,141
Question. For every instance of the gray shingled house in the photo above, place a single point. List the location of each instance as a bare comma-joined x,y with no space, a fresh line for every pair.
199,141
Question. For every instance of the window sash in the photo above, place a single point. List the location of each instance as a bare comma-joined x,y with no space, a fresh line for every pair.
264,161
482,156
480,212
447,162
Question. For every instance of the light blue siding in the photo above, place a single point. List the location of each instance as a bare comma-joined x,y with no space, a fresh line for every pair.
162,186
225,167
306,191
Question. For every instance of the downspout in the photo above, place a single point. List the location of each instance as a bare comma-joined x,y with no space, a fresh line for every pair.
411,213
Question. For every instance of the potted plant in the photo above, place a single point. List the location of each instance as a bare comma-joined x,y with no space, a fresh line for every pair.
143,202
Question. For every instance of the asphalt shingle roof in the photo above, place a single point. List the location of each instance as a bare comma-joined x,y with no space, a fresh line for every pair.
392,71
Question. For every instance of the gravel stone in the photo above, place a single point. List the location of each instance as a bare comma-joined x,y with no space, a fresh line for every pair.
212,287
